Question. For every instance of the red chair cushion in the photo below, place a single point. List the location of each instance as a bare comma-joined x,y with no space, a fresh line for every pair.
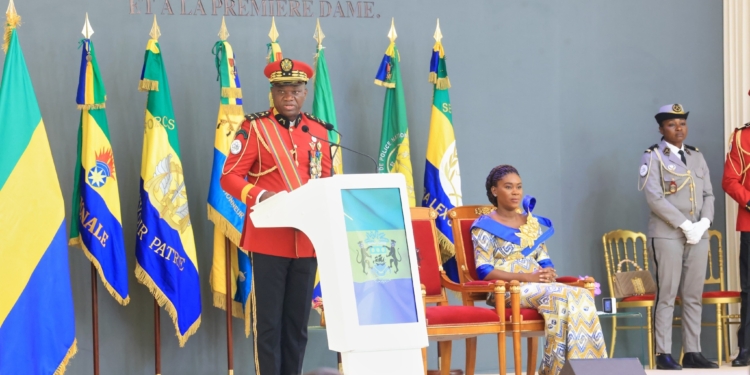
527,314
426,244
720,294
437,315
480,282
468,248
645,297
567,279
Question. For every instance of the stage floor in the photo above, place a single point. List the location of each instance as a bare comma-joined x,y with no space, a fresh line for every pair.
726,369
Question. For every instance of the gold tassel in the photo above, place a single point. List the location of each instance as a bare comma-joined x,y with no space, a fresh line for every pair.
447,249
13,21
433,78
389,85
95,262
224,225
148,85
232,110
231,92
144,278
92,106
71,352
443,83
220,301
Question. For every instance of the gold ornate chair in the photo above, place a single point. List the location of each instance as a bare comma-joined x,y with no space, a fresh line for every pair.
524,322
624,244
721,298
446,323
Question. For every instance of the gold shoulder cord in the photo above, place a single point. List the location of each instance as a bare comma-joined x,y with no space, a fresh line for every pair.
259,141
688,178
640,188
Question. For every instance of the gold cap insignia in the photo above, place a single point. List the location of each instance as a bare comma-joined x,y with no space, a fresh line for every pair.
286,66
676,108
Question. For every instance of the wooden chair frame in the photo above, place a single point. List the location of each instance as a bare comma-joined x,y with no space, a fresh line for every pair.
531,329
445,333
615,244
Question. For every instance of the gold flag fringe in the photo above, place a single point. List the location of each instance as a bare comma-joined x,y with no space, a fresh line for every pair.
440,83
389,85
68,356
89,107
232,110
447,249
144,278
220,301
148,85
224,225
95,262
12,21
231,92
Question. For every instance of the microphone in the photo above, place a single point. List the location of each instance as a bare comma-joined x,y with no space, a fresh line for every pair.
306,129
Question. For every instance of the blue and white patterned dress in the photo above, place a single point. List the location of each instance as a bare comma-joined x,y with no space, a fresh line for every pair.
572,326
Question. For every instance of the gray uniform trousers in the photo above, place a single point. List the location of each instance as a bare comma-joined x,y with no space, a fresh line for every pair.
677,192
674,259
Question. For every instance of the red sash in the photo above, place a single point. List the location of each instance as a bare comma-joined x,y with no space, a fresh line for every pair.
280,153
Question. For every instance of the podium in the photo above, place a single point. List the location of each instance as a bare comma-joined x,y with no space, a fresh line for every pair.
360,226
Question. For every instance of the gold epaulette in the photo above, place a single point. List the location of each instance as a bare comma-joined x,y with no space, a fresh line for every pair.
652,148
257,115
691,148
316,119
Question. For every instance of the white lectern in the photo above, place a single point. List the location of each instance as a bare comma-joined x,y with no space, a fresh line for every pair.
360,226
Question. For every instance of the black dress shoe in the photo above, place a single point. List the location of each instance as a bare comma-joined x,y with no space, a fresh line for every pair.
697,360
742,359
666,362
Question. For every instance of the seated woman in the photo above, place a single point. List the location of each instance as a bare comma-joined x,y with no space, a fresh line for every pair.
509,245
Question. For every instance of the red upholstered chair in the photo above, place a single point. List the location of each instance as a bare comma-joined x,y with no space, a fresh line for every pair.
444,322
624,244
721,298
524,322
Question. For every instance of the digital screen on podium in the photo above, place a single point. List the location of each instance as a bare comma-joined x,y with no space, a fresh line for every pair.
379,255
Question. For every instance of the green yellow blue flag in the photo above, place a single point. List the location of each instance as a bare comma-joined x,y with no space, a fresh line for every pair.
324,109
37,322
96,225
165,255
227,212
394,155
442,178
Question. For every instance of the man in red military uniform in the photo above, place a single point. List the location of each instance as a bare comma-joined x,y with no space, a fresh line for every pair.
737,184
271,153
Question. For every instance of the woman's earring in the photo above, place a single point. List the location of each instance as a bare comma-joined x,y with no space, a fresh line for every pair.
494,195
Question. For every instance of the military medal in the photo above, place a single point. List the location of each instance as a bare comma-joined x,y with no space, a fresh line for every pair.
316,157
672,187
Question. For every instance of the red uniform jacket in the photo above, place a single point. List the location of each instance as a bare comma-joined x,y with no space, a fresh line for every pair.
735,181
251,168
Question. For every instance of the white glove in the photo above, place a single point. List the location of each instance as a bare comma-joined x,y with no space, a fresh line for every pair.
702,226
692,232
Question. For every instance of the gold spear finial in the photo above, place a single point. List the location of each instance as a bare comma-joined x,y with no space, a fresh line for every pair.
11,10
392,33
155,32
87,30
273,34
223,32
438,35
319,36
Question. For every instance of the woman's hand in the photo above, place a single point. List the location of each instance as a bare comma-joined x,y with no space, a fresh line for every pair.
544,275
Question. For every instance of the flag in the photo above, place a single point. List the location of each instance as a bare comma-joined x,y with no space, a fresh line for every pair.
442,179
37,322
323,107
394,156
165,249
226,212
274,50
96,225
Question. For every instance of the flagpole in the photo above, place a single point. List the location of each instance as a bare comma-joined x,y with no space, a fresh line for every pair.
228,307
157,340
95,318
